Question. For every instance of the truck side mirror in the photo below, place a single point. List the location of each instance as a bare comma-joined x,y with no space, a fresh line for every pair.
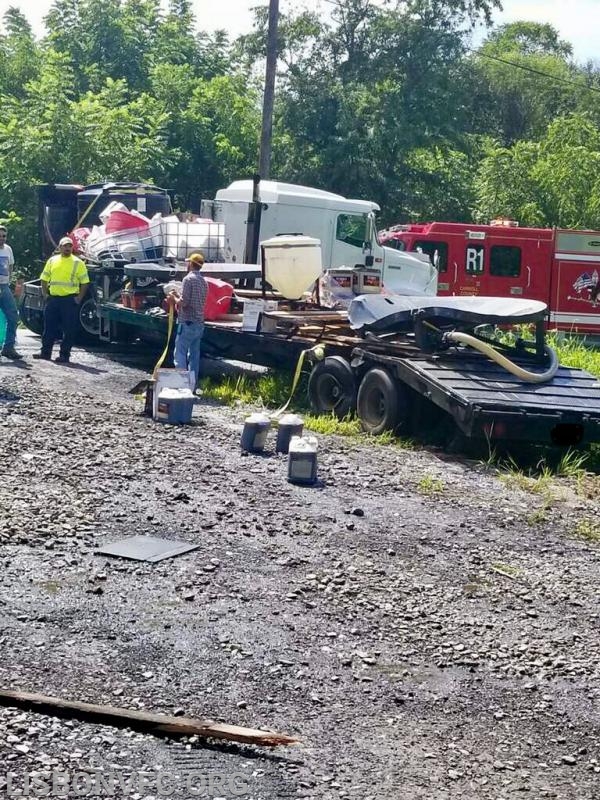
369,261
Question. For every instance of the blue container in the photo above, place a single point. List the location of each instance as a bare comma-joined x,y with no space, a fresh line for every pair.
175,406
2,328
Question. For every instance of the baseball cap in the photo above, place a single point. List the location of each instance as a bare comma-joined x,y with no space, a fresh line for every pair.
65,240
196,258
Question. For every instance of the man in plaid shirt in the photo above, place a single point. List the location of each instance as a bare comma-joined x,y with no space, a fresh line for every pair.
190,317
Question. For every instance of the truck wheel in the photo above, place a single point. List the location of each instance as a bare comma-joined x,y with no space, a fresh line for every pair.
88,319
32,318
383,404
89,322
332,387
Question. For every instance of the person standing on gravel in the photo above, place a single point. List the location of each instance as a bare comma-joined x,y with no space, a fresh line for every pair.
190,318
7,300
64,281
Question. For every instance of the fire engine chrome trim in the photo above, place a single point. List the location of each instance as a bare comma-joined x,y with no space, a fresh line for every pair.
575,257
558,316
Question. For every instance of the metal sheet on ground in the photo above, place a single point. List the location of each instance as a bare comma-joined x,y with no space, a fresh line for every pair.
145,548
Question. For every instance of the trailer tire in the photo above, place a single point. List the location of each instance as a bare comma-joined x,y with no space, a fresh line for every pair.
383,403
332,387
32,318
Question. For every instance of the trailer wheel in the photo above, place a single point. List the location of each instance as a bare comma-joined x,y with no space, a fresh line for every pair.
32,318
383,404
332,387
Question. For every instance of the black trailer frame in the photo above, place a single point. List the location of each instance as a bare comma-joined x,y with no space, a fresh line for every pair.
484,400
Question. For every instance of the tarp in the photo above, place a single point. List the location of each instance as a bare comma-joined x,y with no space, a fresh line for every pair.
376,312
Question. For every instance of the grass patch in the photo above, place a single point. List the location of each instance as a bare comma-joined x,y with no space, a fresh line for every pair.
536,481
349,426
573,352
541,515
588,529
269,391
429,485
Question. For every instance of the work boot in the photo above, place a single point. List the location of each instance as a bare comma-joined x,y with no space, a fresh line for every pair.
10,352
61,360
42,357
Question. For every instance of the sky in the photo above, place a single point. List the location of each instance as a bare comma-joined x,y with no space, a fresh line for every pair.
576,20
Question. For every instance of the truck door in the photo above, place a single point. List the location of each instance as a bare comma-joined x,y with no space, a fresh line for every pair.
351,237
575,299
437,250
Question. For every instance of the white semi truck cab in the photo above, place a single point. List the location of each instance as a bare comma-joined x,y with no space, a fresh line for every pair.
347,230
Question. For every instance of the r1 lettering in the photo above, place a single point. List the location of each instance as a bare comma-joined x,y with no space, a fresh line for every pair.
474,259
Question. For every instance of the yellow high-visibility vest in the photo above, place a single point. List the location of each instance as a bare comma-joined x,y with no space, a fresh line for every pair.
64,274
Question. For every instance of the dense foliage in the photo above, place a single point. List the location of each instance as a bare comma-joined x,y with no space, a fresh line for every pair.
388,103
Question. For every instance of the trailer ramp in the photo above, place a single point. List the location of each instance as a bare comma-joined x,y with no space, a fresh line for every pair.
487,401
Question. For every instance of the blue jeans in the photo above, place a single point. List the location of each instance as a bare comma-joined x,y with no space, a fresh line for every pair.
187,347
9,307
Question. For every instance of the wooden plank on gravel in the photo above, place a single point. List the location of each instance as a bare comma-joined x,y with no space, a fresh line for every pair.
142,721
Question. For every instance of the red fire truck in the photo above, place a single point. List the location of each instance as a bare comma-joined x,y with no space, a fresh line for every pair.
559,267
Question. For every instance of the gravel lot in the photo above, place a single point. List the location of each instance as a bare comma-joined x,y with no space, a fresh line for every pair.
424,628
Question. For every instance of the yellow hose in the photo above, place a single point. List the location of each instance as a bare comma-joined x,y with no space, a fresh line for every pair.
510,366
160,361
319,353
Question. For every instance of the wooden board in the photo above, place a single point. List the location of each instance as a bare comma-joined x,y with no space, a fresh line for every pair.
157,724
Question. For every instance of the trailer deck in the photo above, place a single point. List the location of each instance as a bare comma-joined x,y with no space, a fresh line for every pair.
484,399
487,401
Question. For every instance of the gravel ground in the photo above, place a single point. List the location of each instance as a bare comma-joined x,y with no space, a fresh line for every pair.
424,628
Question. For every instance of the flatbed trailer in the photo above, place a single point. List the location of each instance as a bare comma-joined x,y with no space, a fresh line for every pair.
394,378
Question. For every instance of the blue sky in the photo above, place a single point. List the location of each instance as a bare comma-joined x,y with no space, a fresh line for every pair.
576,20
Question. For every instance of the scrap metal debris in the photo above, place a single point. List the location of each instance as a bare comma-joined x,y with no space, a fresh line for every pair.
146,548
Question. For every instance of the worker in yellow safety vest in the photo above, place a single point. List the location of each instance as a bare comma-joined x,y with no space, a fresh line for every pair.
64,281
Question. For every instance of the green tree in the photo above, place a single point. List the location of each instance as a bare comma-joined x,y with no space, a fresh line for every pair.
19,54
553,182
524,73
363,94
505,185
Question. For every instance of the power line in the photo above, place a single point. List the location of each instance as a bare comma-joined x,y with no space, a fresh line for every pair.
523,67
556,78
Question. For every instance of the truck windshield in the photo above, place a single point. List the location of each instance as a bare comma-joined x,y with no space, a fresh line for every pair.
352,229
396,244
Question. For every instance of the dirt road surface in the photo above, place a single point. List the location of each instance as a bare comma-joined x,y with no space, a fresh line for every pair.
426,629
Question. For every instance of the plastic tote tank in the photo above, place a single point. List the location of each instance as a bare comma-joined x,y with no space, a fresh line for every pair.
292,263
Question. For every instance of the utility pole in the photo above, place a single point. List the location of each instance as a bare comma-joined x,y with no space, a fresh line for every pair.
264,160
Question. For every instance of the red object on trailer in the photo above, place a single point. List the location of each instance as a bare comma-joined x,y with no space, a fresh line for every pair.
125,221
559,267
218,298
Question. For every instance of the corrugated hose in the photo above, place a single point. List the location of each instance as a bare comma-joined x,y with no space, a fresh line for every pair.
525,375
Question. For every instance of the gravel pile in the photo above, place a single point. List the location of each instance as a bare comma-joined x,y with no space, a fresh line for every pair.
412,619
